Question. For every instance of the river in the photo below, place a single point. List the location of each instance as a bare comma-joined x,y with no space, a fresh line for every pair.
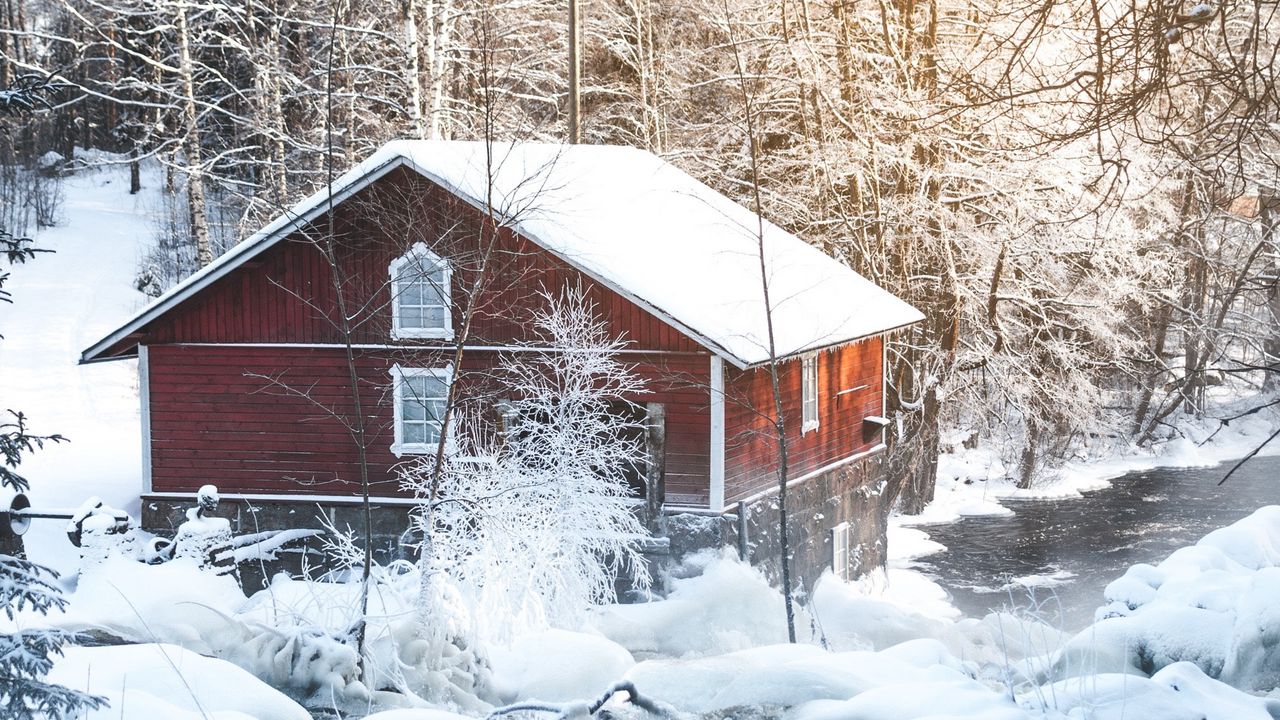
1071,548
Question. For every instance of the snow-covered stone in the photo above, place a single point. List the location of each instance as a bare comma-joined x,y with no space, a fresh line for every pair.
558,666
153,680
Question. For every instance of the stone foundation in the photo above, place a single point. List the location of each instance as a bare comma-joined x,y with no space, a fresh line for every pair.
848,497
163,514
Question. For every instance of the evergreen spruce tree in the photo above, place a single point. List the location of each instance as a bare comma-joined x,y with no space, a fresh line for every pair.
26,656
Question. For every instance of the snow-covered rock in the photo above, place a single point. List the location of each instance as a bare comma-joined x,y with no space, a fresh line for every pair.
1212,604
730,606
785,676
558,666
173,602
1180,691
152,680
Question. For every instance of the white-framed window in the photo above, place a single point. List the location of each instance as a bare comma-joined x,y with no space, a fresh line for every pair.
809,393
840,550
421,395
420,291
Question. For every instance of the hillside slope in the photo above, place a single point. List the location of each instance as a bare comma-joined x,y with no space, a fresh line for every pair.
62,302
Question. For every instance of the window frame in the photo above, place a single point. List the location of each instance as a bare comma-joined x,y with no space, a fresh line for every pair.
809,393
417,254
840,551
399,375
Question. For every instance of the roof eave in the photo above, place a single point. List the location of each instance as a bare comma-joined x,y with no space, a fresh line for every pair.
830,346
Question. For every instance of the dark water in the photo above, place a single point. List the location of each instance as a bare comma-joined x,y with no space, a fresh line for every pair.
1088,542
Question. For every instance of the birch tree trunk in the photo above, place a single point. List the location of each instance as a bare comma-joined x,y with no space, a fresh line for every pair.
191,143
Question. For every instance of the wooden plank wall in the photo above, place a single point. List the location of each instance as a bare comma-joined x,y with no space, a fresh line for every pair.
287,295
214,420
261,420
750,447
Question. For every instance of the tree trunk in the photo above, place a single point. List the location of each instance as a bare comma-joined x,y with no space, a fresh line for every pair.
413,70
191,145
1271,346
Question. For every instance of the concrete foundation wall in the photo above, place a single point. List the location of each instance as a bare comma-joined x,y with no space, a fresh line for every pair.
163,514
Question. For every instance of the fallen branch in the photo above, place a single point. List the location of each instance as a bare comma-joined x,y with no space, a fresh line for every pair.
580,708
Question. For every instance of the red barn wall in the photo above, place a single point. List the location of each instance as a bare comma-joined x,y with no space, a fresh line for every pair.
255,420
850,388
286,294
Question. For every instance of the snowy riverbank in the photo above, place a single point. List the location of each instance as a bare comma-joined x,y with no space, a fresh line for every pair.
973,482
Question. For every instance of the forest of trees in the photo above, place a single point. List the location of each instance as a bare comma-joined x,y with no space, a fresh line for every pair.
1079,194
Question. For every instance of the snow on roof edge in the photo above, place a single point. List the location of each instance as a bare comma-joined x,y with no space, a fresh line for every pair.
393,155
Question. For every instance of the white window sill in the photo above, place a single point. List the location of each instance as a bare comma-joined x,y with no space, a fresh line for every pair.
808,427
402,450
426,334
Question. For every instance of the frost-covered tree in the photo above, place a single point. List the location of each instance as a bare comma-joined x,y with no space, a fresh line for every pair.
532,524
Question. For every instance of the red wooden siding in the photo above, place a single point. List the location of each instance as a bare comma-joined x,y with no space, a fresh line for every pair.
849,389
286,295
216,417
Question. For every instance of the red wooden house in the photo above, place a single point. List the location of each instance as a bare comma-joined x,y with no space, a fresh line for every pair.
244,380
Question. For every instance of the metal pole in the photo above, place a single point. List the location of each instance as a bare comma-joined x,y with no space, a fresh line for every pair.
575,72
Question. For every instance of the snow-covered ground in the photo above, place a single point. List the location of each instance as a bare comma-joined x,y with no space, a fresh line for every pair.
971,483
715,648
62,302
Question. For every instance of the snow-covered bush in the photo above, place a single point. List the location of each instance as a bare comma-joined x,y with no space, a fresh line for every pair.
533,527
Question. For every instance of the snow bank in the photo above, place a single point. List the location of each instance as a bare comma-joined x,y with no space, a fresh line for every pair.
149,681
1180,691
417,715
728,607
557,666
784,676
173,602
1212,604
850,619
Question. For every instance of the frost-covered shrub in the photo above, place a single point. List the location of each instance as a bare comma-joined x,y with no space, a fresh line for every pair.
531,529
296,634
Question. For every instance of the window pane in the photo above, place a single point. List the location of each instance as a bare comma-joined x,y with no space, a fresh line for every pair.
410,293
411,317
433,317
415,433
413,409
436,409
427,266
432,433
430,386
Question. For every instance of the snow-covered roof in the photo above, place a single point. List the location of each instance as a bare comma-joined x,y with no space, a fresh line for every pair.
633,222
